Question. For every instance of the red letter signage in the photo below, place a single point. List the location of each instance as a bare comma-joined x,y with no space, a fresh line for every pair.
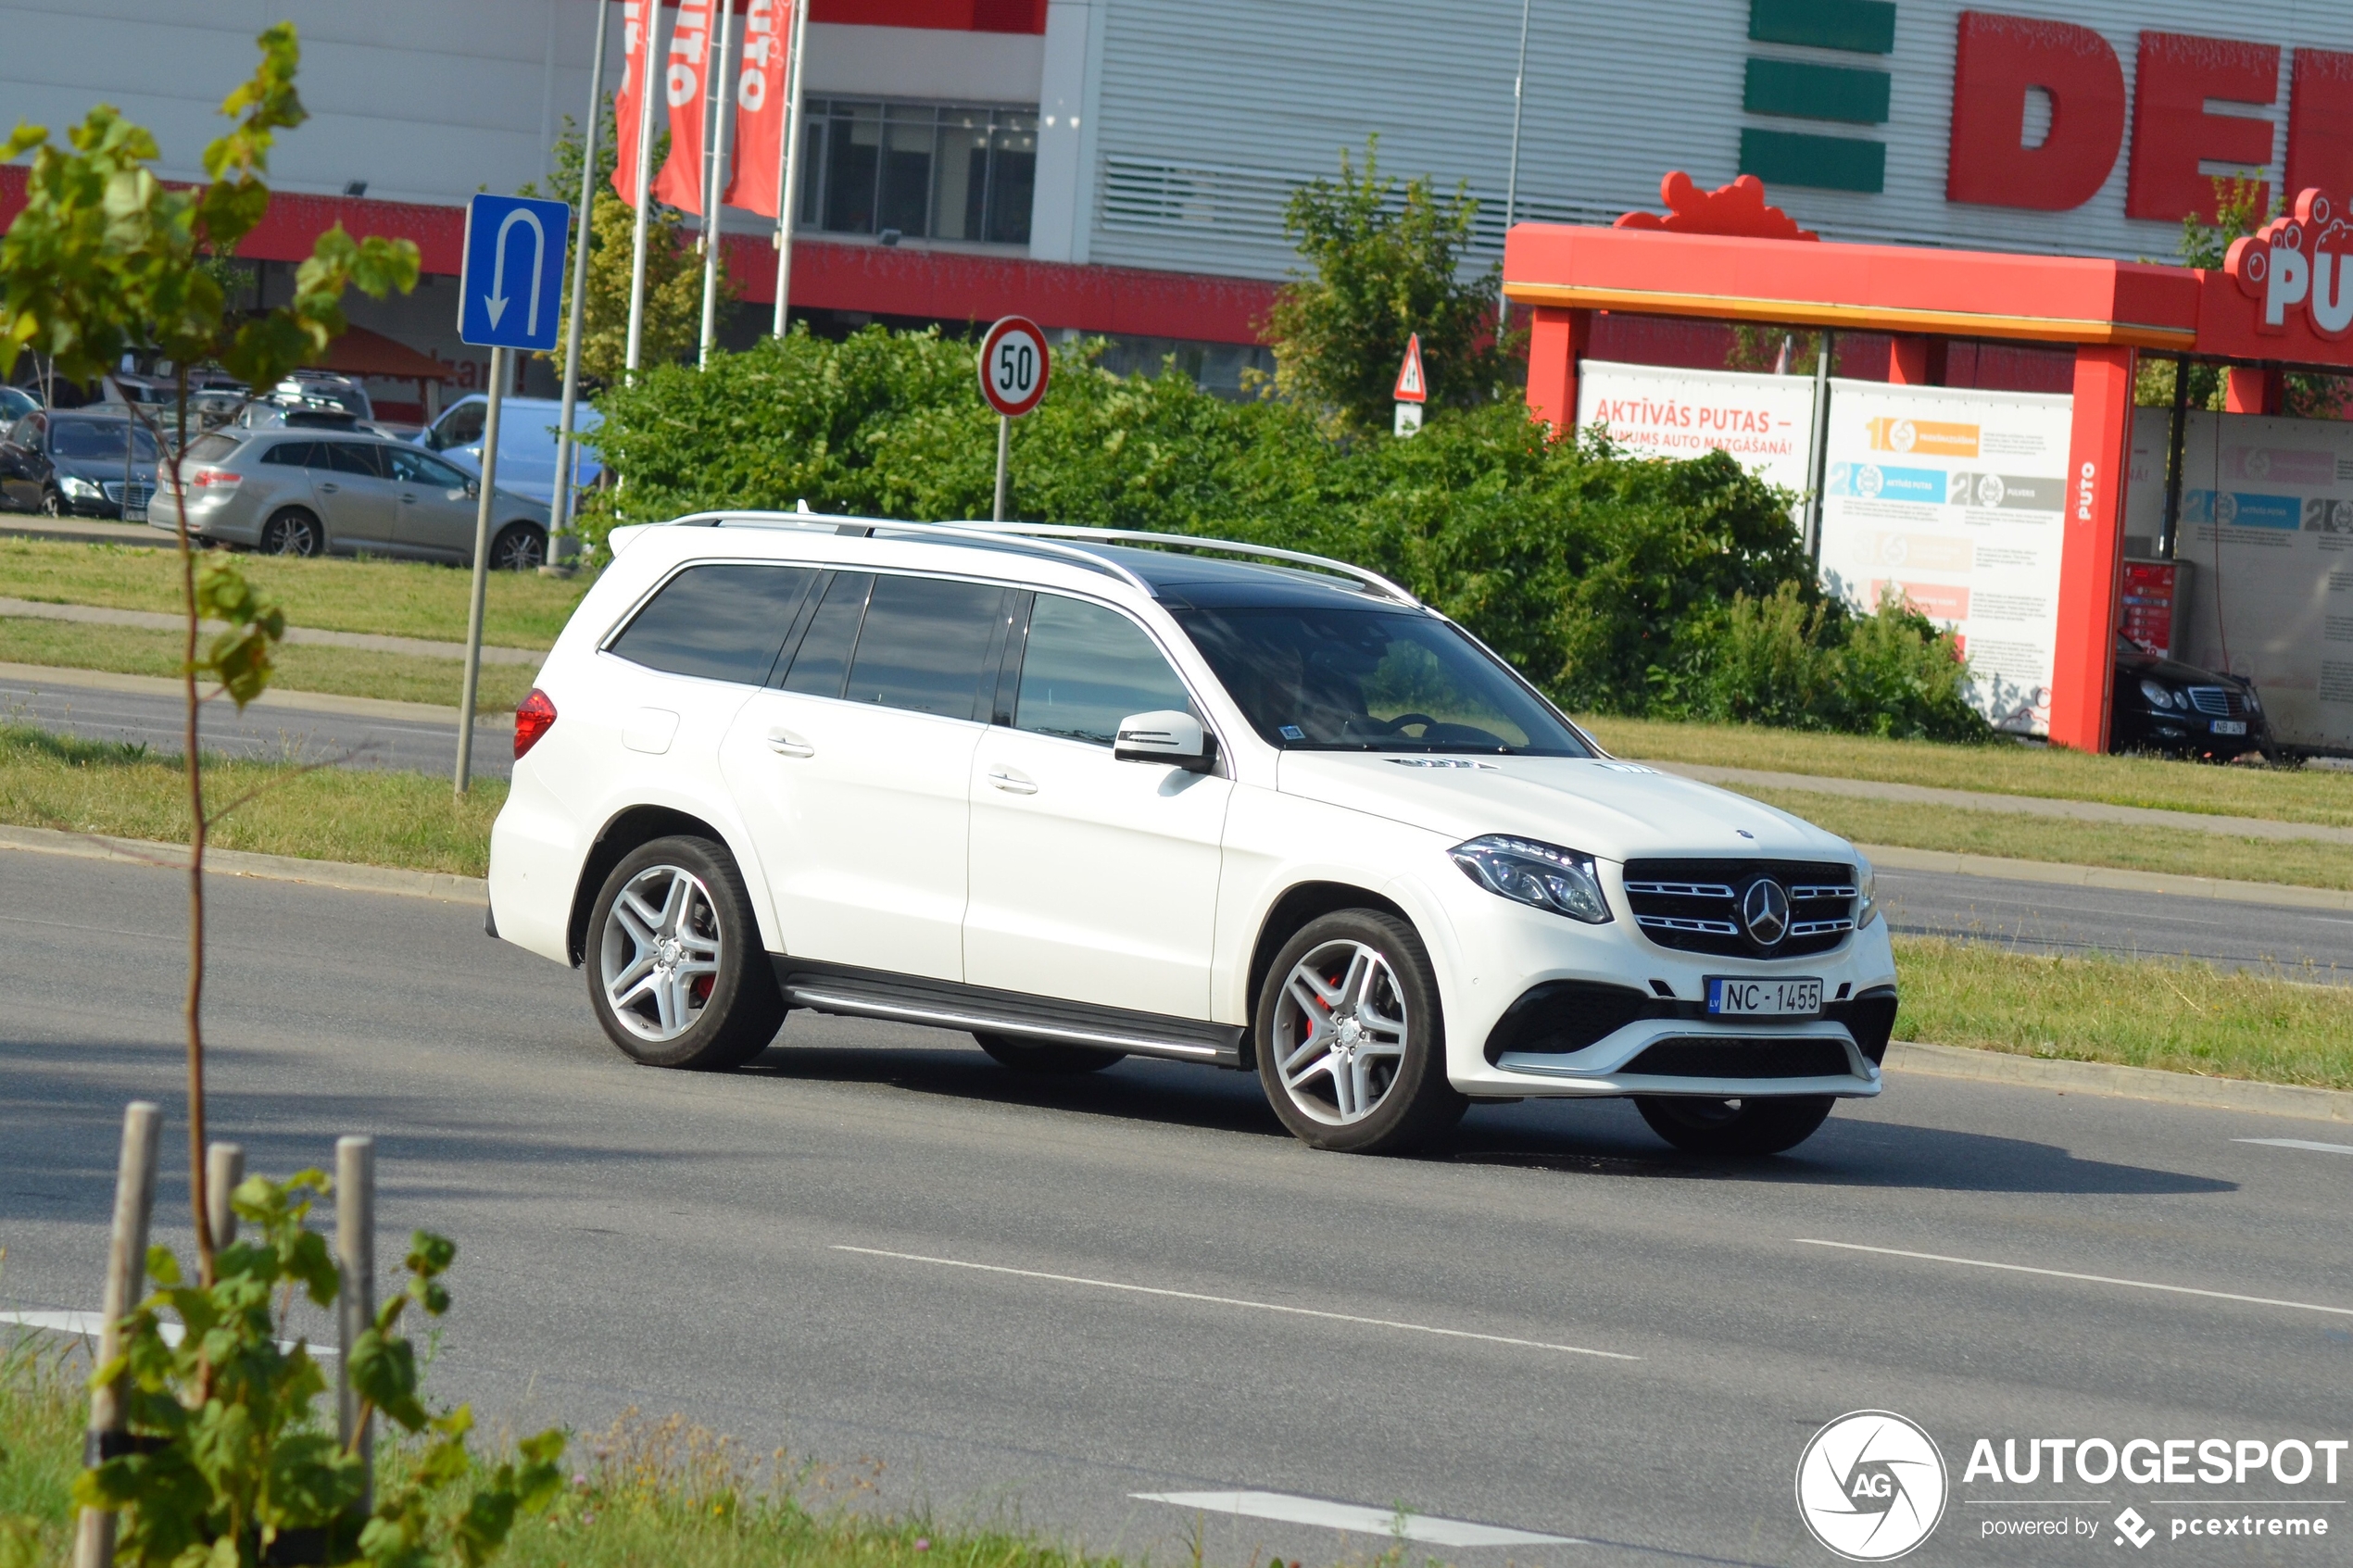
2319,123
2171,129
1999,60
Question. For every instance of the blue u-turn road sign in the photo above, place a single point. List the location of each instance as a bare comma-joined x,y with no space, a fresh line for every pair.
513,290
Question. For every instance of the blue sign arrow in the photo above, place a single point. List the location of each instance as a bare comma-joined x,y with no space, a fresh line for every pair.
513,282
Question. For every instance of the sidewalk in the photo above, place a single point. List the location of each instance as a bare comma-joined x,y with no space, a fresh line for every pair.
83,530
370,641
54,677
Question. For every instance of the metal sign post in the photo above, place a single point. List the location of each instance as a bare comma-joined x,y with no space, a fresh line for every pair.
507,299
1014,367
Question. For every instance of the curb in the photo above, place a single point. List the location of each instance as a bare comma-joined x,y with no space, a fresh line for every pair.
2120,1081
62,678
1888,857
446,888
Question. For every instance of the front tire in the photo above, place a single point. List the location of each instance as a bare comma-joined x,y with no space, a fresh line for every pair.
677,973
520,546
1350,1038
1047,1057
1735,1126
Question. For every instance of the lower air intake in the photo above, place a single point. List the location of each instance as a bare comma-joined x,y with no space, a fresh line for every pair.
1742,1059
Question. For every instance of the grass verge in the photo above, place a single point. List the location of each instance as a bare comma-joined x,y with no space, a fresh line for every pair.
384,819
334,593
645,1493
302,667
2292,794
2178,1017
2300,862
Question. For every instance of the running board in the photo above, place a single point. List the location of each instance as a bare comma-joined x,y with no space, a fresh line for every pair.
903,998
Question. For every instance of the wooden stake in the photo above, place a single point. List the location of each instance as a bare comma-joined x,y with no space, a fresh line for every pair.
224,1168
356,1300
134,1204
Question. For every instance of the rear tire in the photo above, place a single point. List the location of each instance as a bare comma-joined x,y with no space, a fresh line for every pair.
1047,1057
520,546
676,972
1349,1040
1730,1126
292,531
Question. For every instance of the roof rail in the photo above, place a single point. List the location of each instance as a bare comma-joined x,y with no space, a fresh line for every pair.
949,533
1042,530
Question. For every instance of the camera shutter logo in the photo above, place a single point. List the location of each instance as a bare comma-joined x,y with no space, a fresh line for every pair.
1870,1486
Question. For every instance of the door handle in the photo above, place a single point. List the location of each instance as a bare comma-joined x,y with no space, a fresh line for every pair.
1012,781
331,489
406,497
784,743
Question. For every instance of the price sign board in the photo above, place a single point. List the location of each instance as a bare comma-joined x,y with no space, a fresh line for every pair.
1013,365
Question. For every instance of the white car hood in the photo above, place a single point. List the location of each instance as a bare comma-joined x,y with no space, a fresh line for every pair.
1610,809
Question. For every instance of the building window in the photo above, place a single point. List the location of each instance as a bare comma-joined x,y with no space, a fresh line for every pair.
939,171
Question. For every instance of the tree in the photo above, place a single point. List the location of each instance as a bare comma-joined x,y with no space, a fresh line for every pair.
674,269
1386,268
105,259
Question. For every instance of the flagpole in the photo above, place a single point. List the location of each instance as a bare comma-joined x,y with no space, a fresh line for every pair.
723,98
565,447
788,172
1510,180
650,33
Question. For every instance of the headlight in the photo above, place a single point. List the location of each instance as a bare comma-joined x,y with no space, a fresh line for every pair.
2254,702
1866,884
80,489
2158,696
1544,875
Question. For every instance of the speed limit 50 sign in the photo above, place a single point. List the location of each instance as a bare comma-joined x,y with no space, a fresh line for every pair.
1012,366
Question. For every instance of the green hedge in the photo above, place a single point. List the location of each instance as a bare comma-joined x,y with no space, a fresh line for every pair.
1619,585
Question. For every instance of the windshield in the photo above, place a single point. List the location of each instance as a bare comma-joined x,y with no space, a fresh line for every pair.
1336,679
91,440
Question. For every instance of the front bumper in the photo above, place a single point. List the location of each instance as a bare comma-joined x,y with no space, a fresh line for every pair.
1765,1058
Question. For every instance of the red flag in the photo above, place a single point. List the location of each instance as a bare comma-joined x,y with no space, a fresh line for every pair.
637,17
680,182
762,104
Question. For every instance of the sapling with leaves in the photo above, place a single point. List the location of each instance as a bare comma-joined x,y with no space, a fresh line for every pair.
107,260
236,1467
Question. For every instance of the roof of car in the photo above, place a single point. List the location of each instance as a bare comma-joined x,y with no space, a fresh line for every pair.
1183,579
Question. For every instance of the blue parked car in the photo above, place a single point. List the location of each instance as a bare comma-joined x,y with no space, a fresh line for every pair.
526,442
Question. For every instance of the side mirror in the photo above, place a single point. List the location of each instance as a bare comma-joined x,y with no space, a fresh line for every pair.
1166,736
473,489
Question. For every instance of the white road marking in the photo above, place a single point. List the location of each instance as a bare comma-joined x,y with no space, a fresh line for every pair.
1357,1520
2092,1279
2300,1142
1233,1301
88,1326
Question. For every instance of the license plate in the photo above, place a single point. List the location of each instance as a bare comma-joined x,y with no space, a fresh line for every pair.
135,514
1731,997
2230,726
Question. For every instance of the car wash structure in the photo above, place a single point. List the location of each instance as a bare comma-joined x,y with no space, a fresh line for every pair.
2001,514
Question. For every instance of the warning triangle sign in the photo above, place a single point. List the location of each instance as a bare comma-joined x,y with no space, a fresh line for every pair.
1412,387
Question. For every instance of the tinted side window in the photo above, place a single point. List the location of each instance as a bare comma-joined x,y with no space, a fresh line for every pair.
415,468
1086,668
824,658
721,622
353,456
296,454
925,644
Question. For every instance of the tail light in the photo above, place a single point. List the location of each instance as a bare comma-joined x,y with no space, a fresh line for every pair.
533,717
212,479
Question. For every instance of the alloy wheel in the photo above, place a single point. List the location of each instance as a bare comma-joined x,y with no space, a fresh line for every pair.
660,952
1340,1032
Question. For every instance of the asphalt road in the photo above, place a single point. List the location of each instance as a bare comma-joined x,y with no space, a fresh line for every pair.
789,1254
2307,944
268,731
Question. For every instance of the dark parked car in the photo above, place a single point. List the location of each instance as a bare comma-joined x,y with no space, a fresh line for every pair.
2164,705
15,404
72,464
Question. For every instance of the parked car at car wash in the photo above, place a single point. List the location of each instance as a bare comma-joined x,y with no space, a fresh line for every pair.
2164,705
78,464
298,492
526,441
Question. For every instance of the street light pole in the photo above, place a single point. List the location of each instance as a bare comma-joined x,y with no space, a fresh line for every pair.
650,31
1511,181
564,445
788,175
723,97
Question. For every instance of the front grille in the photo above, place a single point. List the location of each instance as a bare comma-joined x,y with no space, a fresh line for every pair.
1742,1059
2219,702
141,493
1695,906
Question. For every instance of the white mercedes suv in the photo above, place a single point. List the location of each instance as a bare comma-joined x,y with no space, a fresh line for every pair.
1090,794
